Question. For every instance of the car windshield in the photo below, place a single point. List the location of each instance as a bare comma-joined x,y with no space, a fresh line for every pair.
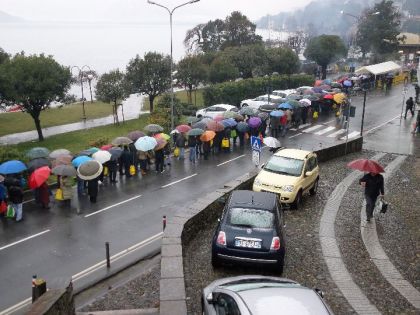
284,165
262,98
252,218
258,283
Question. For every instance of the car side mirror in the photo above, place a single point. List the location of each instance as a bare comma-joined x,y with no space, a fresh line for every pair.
262,165
307,174
319,292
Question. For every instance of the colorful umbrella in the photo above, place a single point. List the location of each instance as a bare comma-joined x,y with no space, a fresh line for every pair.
207,135
56,153
12,167
160,144
366,165
102,156
328,97
162,136
121,141
215,126
153,128
242,127
39,176
195,132
37,163
271,142
89,170
277,113
339,98
285,106
145,143
183,128
305,102
37,152
254,122
80,160
134,135
64,170
106,147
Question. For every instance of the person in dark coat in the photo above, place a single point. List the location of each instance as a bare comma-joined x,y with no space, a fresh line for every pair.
180,143
274,126
192,143
206,149
159,159
126,161
304,114
409,107
374,185
198,146
44,196
241,136
217,142
112,170
134,159
15,193
93,189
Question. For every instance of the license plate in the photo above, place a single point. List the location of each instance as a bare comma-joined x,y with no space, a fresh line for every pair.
247,243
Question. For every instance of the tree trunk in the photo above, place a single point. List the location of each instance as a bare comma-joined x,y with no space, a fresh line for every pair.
151,99
189,93
38,128
324,72
116,120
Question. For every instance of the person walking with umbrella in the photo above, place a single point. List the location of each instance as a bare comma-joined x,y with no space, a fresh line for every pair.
15,193
44,195
192,143
373,182
126,161
274,126
180,143
409,107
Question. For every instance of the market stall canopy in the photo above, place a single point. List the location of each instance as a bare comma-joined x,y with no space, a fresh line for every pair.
380,68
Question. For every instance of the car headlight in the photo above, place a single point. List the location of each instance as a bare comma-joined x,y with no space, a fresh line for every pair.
288,188
257,182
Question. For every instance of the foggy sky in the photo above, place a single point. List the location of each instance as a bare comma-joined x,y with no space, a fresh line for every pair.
141,11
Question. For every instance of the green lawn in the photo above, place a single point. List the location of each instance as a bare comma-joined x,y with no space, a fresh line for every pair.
197,96
20,122
77,141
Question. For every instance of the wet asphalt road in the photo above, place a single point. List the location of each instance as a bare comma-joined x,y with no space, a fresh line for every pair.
132,210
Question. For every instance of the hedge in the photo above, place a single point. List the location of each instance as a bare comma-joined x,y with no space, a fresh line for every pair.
235,92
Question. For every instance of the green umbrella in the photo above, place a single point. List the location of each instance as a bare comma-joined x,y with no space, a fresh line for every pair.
295,103
195,132
192,119
37,152
153,128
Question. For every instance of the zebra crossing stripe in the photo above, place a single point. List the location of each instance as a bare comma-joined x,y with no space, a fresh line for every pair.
321,132
313,128
335,134
304,126
351,135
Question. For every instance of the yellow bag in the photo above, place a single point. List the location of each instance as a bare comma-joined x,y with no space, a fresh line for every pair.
315,115
59,194
176,152
132,170
106,172
225,143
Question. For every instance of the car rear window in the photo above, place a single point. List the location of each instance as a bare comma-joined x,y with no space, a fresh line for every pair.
253,218
284,165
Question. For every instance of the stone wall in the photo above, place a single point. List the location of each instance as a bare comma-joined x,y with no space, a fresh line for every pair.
188,221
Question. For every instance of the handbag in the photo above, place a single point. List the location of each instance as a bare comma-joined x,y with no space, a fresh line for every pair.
383,206
176,152
10,213
132,170
225,143
3,207
106,171
59,195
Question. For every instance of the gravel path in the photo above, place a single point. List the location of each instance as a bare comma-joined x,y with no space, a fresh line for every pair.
304,262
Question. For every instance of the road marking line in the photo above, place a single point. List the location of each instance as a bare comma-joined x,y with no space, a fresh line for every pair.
379,126
116,257
327,122
89,270
238,157
312,128
321,132
303,126
173,183
28,201
300,133
351,135
338,132
24,239
112,206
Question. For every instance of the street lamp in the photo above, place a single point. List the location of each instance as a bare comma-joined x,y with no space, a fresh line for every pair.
90,77
171,11
81,75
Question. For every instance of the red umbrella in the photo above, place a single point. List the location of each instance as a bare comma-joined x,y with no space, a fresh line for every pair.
106,147
328,97
183,128
367,166
39,176
318,82
215,126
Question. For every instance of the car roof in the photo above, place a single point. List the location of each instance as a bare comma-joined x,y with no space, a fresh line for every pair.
293,153
228,106
288,300
252,199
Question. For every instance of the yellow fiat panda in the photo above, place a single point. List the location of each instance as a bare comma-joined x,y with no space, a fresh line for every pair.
290,173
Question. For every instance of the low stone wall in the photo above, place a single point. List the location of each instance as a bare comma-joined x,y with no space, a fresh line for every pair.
53,302
188,221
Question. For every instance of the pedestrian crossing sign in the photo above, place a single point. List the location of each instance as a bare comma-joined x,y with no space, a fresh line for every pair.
256,143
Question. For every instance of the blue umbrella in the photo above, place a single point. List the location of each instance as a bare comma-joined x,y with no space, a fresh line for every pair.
347,83
286,106
230,122
12,167
145,143
242,127
277,113
80,160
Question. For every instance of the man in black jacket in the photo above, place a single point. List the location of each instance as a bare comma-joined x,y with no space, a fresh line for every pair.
374,185
15,193
409,107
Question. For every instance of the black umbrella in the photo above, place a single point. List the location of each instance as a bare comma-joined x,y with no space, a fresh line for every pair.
268,107
64,170
116,152
37,163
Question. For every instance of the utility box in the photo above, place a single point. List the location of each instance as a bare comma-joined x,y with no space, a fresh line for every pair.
39,287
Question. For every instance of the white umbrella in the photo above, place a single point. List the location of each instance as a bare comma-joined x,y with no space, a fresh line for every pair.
272,142
101,156
306,102
89,170
174,131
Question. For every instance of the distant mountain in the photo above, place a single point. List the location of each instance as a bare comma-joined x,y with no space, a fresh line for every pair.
7,18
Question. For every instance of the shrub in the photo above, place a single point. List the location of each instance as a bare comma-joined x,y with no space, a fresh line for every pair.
8,153
99,142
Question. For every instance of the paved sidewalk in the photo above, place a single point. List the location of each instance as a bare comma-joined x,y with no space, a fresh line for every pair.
132,109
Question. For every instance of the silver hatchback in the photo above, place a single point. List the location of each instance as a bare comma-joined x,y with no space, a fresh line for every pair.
261,295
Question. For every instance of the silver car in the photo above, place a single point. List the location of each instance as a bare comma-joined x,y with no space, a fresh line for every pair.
261,295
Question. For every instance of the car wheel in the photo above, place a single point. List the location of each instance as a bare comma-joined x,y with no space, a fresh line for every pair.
244,105
214,261
314,189
298,201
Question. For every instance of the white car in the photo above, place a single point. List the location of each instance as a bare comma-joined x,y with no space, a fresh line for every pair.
257,102
284,93
215,110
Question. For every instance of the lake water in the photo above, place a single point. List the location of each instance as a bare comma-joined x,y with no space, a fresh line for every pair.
102,46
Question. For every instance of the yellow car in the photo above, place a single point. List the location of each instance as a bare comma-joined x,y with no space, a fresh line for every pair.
289,173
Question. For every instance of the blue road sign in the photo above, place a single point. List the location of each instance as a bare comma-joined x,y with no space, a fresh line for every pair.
256,143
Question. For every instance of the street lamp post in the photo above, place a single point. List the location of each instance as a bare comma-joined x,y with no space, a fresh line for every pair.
171,11
90,77
81,75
